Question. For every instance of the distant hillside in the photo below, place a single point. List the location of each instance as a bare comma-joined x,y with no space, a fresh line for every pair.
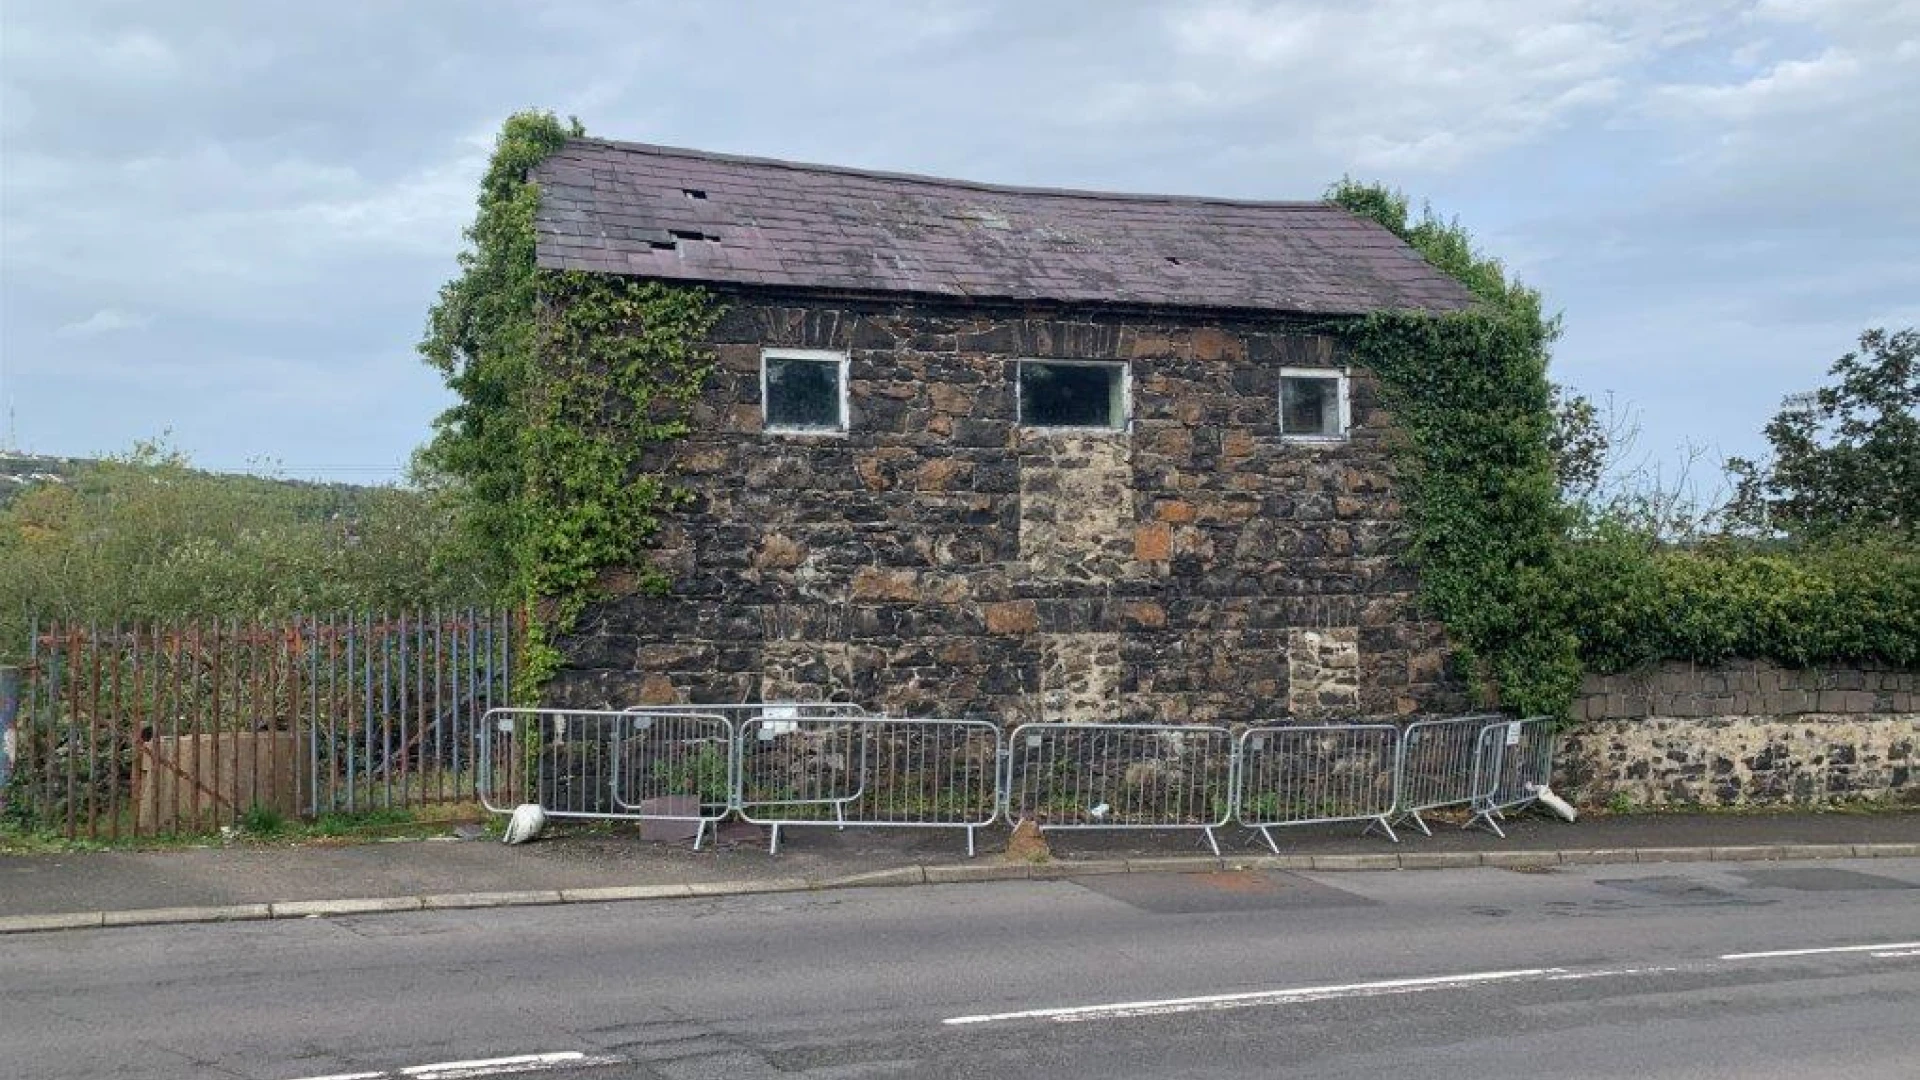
21,471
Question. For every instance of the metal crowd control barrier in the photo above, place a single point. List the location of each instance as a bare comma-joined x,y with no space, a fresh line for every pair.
1513,761
1317,774
1435,766
868,771
560,759
1121,776
673,765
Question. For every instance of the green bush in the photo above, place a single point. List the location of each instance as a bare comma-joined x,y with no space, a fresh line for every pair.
1632,601
149,537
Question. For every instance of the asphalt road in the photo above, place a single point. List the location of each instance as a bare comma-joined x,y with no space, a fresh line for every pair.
1644,971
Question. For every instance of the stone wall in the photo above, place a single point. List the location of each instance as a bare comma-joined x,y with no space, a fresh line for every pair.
1747,732
939,558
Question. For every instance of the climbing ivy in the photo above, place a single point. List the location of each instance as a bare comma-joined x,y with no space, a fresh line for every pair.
1474,415
566,384
1472,410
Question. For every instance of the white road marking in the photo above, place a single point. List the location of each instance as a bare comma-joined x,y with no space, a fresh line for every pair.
1257,997
1895,955
482,1067
1608,973
523,1063
1777,953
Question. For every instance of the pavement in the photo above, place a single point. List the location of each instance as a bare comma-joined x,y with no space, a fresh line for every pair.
71,890
1676,971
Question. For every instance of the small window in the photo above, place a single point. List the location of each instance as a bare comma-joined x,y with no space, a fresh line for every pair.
804,390
1073,394
1313,403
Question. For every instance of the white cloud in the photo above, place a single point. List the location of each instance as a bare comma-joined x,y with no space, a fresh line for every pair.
1418,85
105,321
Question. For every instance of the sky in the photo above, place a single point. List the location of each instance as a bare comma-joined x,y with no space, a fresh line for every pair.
224,221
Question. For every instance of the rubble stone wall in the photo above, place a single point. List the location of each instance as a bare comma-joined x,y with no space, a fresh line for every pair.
939,558
1745,733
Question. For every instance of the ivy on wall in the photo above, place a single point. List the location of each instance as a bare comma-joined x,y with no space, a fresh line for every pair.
1472,412
566,384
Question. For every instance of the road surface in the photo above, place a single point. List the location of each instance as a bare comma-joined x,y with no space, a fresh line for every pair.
1648,971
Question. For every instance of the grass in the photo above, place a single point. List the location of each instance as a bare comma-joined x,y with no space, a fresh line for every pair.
261,825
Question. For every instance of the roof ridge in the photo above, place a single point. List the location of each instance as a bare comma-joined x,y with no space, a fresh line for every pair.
950,182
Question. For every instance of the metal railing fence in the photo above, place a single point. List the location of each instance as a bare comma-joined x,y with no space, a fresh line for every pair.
1317,774
1121,776
153,728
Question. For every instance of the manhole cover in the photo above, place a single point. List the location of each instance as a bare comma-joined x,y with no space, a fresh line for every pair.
1233,890
1819,879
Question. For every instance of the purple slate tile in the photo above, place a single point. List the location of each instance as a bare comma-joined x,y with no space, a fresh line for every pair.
605,204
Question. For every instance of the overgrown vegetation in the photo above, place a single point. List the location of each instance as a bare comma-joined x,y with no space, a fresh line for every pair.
1470,398
567,383
146,536
1536,579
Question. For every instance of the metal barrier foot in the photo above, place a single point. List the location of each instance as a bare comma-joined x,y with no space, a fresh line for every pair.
699,834
969,841
1418,822
1383,825
1213,842
1489,816
773,847
1267,834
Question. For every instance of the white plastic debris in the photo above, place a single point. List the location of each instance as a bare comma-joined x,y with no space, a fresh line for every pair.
1555,803
527,822
1099,811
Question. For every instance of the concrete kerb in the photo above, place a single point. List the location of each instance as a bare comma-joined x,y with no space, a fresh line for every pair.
953,873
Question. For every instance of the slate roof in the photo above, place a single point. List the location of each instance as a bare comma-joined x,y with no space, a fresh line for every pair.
684,215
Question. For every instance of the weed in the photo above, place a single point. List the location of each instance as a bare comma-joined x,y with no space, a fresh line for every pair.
262,820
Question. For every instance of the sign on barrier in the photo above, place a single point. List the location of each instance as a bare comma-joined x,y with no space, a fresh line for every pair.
867,771
1317,774
1121,776
1513,763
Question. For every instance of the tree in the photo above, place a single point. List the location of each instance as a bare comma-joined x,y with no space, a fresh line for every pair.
1848,458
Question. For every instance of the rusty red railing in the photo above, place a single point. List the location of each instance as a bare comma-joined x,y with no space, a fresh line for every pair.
182,727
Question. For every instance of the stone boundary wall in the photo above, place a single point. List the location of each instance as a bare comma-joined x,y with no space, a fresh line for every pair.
1744,733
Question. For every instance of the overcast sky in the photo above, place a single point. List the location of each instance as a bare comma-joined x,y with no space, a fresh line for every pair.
228,219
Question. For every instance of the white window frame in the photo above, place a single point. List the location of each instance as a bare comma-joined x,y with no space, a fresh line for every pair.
818,355
1344,375
1126,397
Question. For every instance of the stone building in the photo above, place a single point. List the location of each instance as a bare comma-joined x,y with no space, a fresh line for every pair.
1028,454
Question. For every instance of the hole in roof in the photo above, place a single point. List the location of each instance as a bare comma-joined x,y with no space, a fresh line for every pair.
690,234
663,245
693,193
1173,260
